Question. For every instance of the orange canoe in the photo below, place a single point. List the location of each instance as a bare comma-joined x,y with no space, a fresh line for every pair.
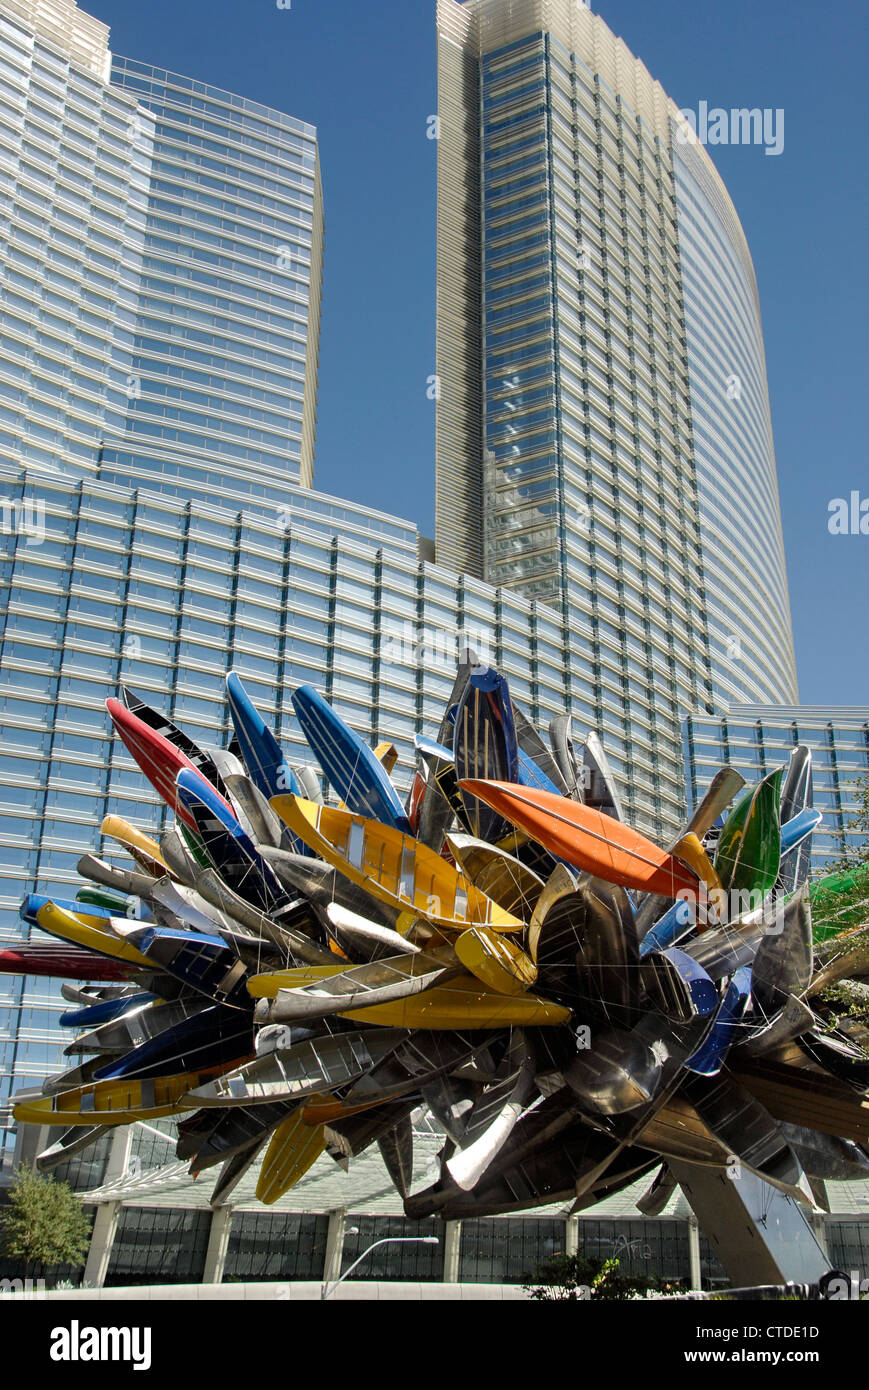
586,838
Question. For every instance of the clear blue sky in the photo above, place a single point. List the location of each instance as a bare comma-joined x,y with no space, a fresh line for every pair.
364,74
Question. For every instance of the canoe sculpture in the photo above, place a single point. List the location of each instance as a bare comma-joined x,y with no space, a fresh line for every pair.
287,980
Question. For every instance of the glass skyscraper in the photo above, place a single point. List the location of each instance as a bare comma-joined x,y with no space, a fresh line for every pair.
596,301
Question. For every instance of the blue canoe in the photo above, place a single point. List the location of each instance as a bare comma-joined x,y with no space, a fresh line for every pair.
485,747
106,1011
709,1057
260,750
207,1039
228,846
34,901
205,963
350,765
261,753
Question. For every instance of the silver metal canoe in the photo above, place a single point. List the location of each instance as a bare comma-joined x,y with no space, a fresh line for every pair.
599,784
784,960
322,886
501,876
717,797
181,863
72,1141
396,1150
796,796
617,1073
234,1169
310,784
137,1027
783,934
375,938
310,1068
281,933
255,814
564,755
715,800
209,1137
134,884
366,985
792,1021
496,1113
415,1059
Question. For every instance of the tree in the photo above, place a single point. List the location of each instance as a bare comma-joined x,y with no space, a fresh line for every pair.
853,856
44,1224
578,1277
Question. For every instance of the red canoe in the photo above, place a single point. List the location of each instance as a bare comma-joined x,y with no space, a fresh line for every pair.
588,839
159,759
62,962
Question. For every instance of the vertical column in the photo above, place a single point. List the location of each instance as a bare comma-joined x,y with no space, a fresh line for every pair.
102,1240
452,1248
218,1244
334,1244
108,1213
119,1153
571,1236
695,1278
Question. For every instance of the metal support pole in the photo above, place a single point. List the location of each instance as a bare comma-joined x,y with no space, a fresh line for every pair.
335,1244
695,1278
102,1240
452,1250
218,1244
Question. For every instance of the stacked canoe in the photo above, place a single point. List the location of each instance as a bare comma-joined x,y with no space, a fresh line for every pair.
303,959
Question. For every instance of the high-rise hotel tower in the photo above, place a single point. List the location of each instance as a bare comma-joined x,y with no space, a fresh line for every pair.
603,433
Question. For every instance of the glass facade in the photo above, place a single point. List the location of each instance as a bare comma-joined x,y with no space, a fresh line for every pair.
157,1246
755,739
74,189
227,321
275,1246
161,244
743,551
582,323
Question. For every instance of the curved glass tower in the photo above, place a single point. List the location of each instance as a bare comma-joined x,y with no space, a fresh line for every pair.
747,606
596,303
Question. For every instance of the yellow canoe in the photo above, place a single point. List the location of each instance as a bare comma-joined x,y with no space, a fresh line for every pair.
495,960
463,1003
387,754
266,985
145,851
395,868
691,852
76,927
293,1149
116,1102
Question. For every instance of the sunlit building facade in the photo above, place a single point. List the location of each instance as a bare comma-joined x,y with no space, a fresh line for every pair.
596,301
